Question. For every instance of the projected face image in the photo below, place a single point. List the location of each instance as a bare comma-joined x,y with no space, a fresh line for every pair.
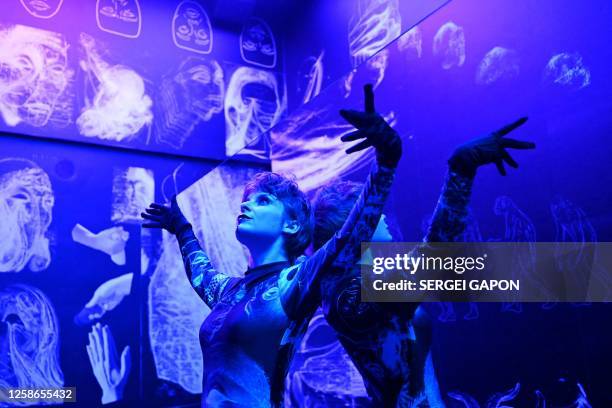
257,44
29,339
567,70
187,97
500,64
252,106
120,17
117,106
449,45
373,25
191,29
410,44
34,77
133,191
26,202
42,8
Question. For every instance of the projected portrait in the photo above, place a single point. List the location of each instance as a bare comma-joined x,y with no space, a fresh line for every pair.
449,45
191,29
120,17
252,106
117,106
310,77
410,44
42,8
192,94
29,340
257,44
373,25
34,77
26,204
567,70
133,191
499,64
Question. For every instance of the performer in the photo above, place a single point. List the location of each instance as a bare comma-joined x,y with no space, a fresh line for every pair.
247,340
395,378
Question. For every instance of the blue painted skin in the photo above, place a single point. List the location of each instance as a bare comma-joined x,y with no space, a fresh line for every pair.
255,322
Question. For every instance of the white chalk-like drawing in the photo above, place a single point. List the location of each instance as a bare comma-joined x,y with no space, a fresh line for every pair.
111,241
119,17
133,191
191,29
567,70
410,44
35,80
257,43
310,77
105,298
42,8
499,64
449,45
26,204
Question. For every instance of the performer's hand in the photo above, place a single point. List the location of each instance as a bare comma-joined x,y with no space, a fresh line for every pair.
169,218
376,131
489,149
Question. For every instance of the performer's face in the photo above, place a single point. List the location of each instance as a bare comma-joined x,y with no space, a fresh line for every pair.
262,215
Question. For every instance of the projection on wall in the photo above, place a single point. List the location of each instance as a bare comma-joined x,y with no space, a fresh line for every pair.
42,8
191,29
119,17
36,81
310,77
257,43
449,45
254,103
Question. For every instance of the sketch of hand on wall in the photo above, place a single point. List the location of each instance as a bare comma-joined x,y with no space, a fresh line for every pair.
120,17
449,45
133,191
253,105
191,29
105,298
26,204
42,8
111,372
257,43
111,241
116,104
35,80
29,340
192,94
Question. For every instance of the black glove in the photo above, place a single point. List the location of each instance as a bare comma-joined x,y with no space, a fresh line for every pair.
375,130
490,149
169,218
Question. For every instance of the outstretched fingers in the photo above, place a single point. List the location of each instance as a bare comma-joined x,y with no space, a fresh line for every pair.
355,118
368,92
509,128
500,167
517,144
359,146
508,159
349,137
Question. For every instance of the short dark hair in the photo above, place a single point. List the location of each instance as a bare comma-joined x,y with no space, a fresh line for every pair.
332,205
297,206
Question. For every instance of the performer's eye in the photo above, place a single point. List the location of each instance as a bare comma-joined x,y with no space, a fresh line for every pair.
263,199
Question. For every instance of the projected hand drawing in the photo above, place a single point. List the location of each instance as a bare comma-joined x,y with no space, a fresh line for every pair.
192,94
191,29
253,105
35,80
116,104
257,43
105,298
498,64
373,25
449,45
120,17
42,8
310,77
111,241
29,340
26,204
567,70
133,191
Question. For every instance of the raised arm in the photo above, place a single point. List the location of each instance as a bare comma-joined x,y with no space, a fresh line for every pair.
205,280
300,285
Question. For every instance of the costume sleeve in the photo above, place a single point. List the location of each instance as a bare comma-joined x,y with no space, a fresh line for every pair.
300,284
205,280
451,214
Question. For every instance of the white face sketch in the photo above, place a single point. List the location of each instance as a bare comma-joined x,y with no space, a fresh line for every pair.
373,25
42,8
498,64
191,29
26,204
449,45
252,106
257,43
568,71
119,17
119,106
193,93
34,77
29,339
133,191
411,43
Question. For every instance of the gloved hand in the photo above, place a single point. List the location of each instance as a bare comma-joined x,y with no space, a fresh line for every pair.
489,149
169,218
375,130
